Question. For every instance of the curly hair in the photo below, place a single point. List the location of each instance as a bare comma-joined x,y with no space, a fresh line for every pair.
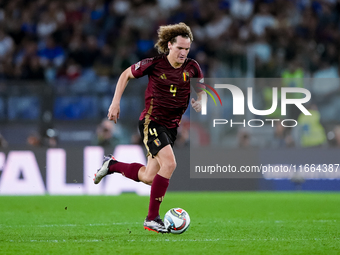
169,33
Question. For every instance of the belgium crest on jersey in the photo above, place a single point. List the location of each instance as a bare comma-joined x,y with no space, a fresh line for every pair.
186,76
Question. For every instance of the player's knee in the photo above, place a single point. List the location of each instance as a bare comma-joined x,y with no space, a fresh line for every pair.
173,165
170,165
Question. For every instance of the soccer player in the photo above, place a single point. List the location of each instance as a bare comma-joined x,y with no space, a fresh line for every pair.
166,99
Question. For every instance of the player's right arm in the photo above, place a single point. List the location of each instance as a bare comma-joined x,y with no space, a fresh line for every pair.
114,109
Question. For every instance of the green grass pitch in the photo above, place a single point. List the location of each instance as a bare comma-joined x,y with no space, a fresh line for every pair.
221,223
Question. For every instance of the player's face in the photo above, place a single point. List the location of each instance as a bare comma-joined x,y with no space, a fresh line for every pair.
179,50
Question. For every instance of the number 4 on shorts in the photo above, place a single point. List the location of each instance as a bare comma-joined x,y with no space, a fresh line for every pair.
153,132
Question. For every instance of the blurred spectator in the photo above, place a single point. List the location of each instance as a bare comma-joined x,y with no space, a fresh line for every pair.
136,138
51,58
46,26
241,9
90,52
312,133
75,49
51,138
34,139
97,10
262,50
199,136
166,5
48,139
106,134
262,20
282,137
145,45
202,58
56,12
334,136
142,18
104,63
33,70
325,86
28,26
121,7
88,27
293,77
243,137
71,70
123,60
183,136
218,68
218,25
6,44
326,70
73,12
3,142
24,55
51,55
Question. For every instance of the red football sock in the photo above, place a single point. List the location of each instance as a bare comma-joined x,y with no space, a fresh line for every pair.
158,189
128,170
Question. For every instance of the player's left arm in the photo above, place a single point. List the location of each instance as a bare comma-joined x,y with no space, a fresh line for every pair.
197,104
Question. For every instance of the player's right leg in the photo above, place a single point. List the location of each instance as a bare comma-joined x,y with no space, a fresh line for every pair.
155,225
166,160
158,141
147,175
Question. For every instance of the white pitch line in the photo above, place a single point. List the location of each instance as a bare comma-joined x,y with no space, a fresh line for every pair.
137,223
175,240
69,225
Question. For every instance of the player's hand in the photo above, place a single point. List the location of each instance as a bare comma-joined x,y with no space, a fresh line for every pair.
113,112
197,105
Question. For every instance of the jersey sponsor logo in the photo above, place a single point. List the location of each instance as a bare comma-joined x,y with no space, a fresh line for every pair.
137,65
163,76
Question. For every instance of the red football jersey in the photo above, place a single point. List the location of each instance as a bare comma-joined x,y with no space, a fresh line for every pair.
168,92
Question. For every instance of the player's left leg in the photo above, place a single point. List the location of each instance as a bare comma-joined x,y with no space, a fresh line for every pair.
134,171
111,165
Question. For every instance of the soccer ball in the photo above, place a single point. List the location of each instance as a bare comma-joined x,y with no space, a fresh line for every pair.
177,220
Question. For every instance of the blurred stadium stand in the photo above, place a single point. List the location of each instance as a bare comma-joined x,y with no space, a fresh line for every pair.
59,61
